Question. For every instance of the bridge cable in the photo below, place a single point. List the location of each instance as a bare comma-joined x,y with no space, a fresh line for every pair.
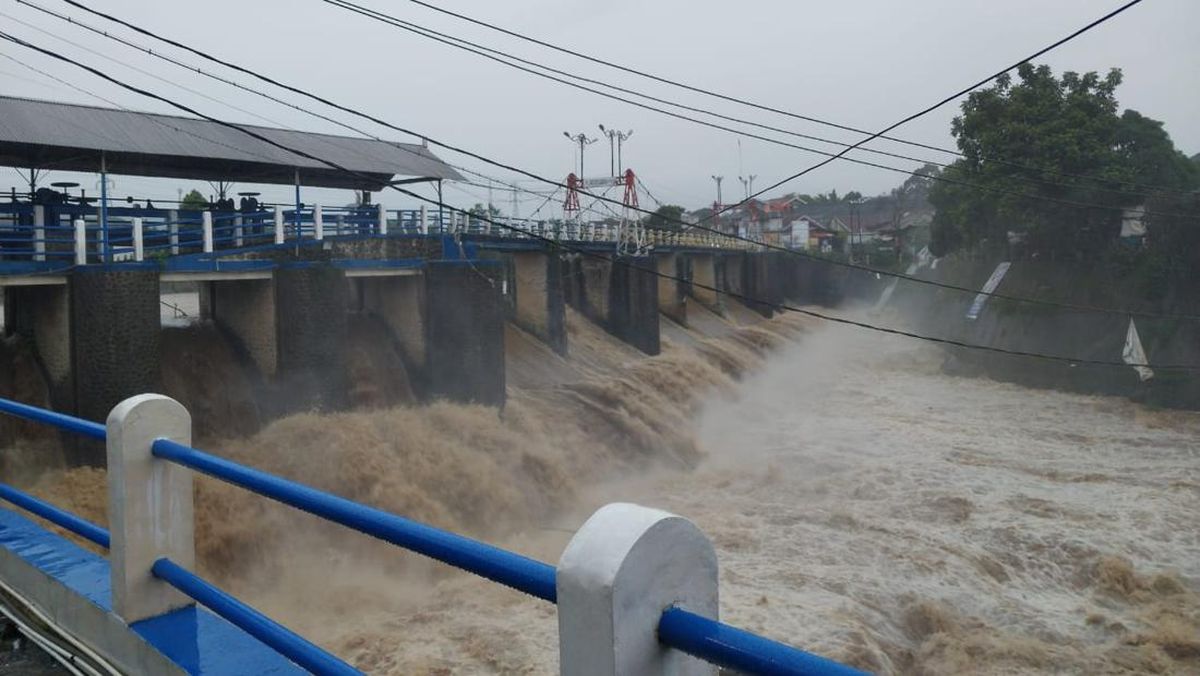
581,251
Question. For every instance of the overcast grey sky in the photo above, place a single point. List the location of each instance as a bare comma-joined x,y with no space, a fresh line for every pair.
865,63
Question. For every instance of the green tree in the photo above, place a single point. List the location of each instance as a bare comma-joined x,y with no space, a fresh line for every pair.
479,211
1045,128
666,217
193,201
853,196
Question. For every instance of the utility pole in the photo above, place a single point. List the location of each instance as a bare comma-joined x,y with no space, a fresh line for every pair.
583,142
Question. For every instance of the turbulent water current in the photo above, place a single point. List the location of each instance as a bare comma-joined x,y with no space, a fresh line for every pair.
863,505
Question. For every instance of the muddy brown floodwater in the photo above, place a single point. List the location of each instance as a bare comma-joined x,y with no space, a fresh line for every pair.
864,506
869,508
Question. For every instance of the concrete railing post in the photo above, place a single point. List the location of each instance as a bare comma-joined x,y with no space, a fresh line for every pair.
173,231
280,230
424,226
206,224
239,232
80,242
39,232
621,570
149,505
139,243
382,220
318,223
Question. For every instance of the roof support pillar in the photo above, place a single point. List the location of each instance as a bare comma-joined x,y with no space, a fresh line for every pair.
296,220
105,251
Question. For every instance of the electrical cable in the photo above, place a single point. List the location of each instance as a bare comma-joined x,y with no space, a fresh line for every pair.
500,56
92,662
744,102
697,226
136,69
616,261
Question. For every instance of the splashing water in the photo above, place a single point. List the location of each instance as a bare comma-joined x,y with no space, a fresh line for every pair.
864,506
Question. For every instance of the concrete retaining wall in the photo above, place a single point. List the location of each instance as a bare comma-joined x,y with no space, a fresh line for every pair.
675,273
246,310
707,273
115,330
310,304
400,303
540,305
464,331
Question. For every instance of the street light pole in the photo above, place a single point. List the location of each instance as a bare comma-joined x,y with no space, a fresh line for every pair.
583,142
620,137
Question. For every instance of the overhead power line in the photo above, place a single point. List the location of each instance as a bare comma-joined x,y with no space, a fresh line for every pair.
618,261
746,102
952,97
508,59
432,141
786,144
714,216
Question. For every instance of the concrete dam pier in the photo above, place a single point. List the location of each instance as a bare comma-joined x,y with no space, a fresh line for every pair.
96,330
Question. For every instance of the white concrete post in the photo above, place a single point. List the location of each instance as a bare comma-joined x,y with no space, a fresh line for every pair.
238,232
80,242
318,223
173,231
621,570
139,244
149,505
39,232
382,220
206,223
280,230
424,226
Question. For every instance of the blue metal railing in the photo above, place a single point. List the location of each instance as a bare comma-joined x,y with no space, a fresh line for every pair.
725,646
707,639
283,640
523,574
60,517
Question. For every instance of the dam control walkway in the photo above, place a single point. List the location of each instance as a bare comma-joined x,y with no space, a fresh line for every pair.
83,278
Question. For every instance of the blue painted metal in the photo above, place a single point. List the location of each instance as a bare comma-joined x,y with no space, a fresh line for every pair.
63,422
741,650
249,620
516,571
210,264
60,517
202,643
368,264
194,638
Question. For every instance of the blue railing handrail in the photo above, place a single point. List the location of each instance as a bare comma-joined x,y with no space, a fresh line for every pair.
701,637
280,638
59,517
499,565
732,648
68,423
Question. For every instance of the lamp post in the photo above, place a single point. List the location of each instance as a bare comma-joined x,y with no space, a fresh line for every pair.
583,142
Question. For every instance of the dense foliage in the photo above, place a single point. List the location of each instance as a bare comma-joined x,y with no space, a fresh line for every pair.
193,201
1063,139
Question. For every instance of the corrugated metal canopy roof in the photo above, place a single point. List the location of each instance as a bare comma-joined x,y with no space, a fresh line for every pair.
71,137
